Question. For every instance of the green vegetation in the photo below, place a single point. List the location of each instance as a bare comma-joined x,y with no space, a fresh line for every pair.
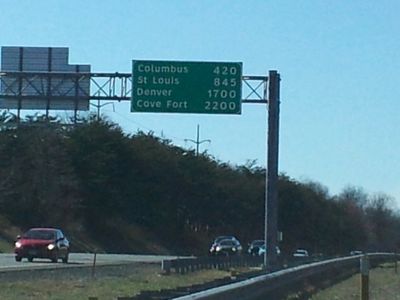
139,193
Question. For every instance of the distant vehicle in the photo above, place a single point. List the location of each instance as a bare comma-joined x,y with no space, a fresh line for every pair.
48,243
227,237
262,249
356,252
300,253
227,246
254,247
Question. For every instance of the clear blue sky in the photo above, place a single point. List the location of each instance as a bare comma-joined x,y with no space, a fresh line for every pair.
339,62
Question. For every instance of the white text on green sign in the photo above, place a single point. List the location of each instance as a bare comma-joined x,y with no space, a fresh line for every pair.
186,87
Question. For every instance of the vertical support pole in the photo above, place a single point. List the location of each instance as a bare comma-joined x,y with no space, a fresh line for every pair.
20,78
49,81
198,140
94,264
76,102
271,186
364,270
98,110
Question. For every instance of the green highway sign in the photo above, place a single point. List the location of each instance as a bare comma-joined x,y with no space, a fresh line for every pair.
186,87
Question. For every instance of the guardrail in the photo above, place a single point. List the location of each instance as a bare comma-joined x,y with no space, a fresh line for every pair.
278,284
301,280
185,265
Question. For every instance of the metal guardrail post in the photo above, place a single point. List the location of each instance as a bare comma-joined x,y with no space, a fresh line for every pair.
193,266
181,266
94,265
166,266
364,270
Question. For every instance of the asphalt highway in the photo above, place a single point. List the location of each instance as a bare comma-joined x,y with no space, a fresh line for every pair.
7,261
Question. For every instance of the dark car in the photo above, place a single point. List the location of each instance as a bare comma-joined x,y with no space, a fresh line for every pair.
226,237
220,238
48,243
254,247
229,237
262,249
226,247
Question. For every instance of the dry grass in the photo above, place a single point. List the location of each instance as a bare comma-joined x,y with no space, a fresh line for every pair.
384,285
147,278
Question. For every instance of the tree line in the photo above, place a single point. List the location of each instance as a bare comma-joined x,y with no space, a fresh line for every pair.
93,177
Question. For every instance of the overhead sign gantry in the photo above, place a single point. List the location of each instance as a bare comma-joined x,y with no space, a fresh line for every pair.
40,78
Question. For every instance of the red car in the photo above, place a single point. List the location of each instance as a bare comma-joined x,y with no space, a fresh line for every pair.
48,243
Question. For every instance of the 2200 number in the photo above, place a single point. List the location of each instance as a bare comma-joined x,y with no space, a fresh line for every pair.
218,106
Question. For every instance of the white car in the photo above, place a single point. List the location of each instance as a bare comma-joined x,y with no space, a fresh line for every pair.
300,253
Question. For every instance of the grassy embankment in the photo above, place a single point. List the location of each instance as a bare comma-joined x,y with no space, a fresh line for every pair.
384,284
146,278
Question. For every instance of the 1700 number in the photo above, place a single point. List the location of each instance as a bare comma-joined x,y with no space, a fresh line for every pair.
223,94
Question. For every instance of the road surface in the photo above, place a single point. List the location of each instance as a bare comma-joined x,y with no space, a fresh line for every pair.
7,261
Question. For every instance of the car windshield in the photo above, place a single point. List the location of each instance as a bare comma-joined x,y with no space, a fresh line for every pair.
225,237
227,243
258,243
39,235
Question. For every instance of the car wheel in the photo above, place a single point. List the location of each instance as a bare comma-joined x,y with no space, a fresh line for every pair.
65,259
18,258
30,259
54,259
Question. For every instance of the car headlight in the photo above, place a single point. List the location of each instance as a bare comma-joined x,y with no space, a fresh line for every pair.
218,248
51,246
18,245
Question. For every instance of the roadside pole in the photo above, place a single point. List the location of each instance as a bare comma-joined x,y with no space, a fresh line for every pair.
364,270
94,265
271,186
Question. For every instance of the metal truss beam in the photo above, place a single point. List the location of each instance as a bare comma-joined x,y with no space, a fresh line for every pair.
104,86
